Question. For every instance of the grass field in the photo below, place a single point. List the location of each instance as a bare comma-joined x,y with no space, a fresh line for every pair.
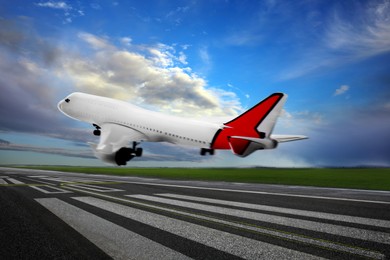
356,178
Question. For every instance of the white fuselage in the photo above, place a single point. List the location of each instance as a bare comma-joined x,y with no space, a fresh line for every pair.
156,127
118,123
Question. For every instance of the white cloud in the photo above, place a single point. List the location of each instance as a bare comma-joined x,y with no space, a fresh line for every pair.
362,37
341,90
55,5
126,41
150,75
182,58
244,38
93,41
161,55
347,39
69,12
204,55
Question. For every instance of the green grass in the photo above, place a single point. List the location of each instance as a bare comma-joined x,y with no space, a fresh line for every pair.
356,178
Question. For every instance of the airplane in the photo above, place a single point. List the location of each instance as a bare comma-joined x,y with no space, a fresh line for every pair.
119,123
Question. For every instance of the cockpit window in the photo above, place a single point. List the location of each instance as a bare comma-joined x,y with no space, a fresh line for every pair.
67,100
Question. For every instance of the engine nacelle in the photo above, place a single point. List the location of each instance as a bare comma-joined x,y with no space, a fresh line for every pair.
267,143
123,155
120,157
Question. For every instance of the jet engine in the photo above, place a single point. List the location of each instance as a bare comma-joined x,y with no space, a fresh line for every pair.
120,157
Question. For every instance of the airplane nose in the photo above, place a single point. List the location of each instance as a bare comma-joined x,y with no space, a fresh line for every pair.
60,104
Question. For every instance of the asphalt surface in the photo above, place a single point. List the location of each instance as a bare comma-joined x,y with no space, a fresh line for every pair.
56,215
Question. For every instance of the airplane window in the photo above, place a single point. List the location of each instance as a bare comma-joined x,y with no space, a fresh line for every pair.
67,100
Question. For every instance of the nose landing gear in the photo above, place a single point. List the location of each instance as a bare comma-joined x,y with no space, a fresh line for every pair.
96,132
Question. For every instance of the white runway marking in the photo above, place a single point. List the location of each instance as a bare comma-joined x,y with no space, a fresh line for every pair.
261,192
282,234
56,179
285,235
369,235
2,181
94,188
14,181
50,190
306,213
230,243
116,241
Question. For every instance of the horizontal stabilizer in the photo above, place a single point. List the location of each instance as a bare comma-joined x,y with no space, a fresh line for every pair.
244,146
288,138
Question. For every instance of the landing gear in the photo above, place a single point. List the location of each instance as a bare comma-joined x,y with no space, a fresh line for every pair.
137,151
125,154
204,151
96,132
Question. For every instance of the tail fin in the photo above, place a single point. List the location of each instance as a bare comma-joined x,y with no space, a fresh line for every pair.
255,124
262,116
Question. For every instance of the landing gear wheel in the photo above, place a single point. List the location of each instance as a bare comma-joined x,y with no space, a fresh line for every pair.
204,151
97,132
138,152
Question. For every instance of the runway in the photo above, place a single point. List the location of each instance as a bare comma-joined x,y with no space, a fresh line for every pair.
47,214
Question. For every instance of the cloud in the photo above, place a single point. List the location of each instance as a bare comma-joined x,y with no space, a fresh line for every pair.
55,5
244,38
7,146
341,90
176,16
148,75
96,43
126,41
206,60
346,39
29,91
356,137
152,76
35,73
69,11
365,35
26,101
4,142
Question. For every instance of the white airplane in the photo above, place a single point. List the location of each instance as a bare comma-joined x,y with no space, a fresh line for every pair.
118,123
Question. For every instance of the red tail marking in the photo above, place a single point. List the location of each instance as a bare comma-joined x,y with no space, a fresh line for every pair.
238,145
245,124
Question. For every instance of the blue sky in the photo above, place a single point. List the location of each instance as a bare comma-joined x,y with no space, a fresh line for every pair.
199,59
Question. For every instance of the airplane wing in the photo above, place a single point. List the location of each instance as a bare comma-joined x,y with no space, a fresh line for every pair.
114,136
288,138
243,146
